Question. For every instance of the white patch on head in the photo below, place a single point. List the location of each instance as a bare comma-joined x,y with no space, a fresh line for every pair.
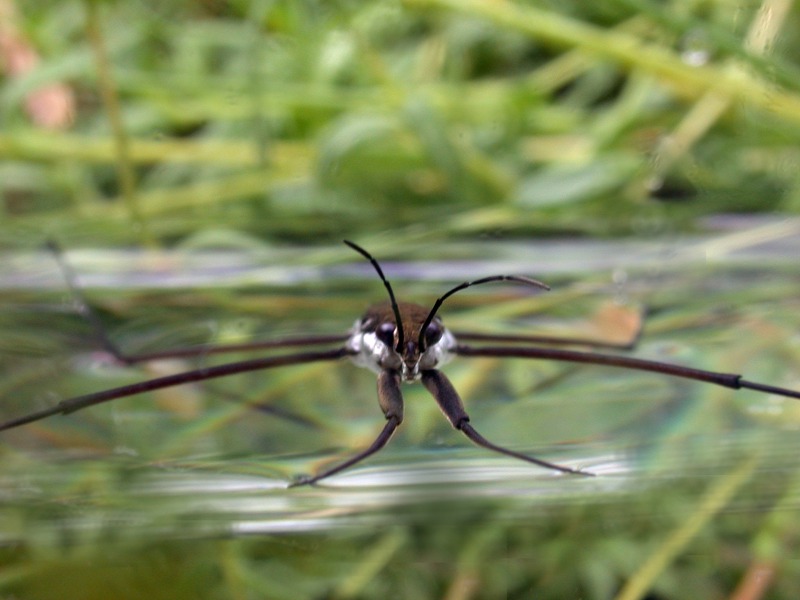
439,353
368,351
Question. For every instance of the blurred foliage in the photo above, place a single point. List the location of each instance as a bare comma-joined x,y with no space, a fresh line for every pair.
313,120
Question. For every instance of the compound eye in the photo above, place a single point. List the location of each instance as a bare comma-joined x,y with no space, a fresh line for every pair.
433,334
385,333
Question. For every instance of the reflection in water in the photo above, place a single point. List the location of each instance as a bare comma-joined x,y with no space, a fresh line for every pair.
210,499
158,503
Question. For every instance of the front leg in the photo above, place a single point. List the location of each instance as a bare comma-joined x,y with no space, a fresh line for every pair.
390,399
449,401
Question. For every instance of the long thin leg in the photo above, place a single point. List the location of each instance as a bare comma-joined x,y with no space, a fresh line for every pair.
207,349
729,380
390,399
476,336
77,403
449,401
87,311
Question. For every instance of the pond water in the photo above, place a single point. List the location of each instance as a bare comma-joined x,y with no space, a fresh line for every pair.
184,492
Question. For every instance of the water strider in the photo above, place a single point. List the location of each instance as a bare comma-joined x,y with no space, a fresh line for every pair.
401,342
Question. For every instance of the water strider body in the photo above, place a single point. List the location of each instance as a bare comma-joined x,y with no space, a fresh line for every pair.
373,341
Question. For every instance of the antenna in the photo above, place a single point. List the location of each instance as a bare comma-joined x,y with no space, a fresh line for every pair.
437,305
395,308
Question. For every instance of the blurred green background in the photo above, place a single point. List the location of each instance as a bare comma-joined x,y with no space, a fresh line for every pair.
200,163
